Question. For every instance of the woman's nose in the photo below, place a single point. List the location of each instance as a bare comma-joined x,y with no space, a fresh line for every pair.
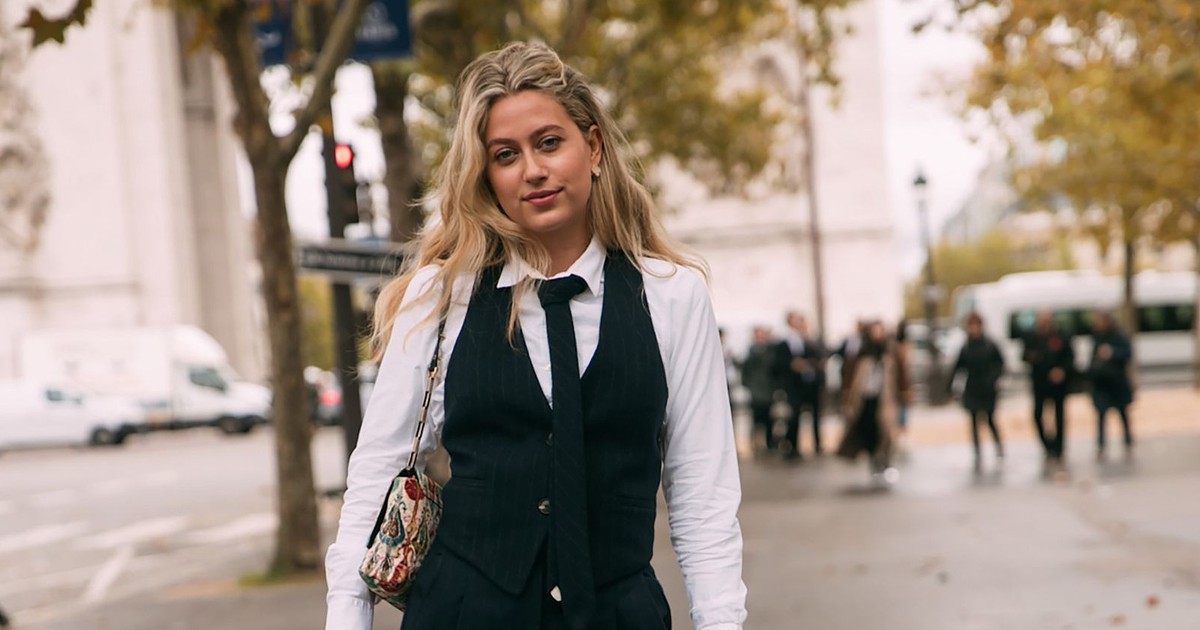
535,168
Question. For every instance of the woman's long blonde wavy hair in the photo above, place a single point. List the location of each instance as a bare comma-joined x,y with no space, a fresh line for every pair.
473,232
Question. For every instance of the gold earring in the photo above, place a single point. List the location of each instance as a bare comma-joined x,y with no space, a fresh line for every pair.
596,171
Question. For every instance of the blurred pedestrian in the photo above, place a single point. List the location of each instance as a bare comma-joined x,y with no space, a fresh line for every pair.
983,363
803,356
547,261
1051,358
761,376
904,361
872,402
1108,372
848,352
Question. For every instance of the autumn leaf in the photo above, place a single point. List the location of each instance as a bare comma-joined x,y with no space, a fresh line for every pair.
45,29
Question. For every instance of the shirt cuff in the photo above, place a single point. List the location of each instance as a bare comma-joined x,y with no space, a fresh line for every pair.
349,613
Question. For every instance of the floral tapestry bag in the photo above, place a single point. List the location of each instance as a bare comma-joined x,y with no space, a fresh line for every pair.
408,519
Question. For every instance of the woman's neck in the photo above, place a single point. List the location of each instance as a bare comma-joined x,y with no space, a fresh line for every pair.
564,252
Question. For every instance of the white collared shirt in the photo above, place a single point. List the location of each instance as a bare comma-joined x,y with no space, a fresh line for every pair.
700,472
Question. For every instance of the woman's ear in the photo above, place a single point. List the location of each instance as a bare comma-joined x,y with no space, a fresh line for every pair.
596,143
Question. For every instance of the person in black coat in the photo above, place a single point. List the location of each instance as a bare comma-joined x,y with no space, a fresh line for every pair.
802,360
761,376
1051,359
981,360
1108,372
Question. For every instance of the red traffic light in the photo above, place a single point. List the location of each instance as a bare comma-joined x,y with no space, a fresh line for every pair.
343,156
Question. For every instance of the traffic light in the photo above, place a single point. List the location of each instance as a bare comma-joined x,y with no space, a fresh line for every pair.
344,184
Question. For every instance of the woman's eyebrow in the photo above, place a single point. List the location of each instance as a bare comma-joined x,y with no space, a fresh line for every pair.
536,132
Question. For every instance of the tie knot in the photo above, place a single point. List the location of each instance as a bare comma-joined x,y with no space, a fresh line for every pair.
561,290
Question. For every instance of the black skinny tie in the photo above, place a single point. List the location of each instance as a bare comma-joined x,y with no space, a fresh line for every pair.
570,469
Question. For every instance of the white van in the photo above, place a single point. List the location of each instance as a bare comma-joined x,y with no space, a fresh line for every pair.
33,414
180,374
1165,311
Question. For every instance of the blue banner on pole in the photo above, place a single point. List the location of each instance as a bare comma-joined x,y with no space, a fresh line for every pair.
274,34
382,34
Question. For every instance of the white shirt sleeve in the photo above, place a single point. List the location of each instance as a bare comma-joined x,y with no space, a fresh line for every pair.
384,445
700,477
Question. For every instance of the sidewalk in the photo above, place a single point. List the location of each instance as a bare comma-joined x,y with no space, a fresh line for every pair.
1155,412
1114,545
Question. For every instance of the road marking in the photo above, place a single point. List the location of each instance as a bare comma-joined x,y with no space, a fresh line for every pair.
55,498
135,533
246,527
111,487
56,580
40,536
98,587
160,479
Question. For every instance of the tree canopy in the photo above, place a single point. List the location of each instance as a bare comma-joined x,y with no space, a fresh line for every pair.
662,66
1101,101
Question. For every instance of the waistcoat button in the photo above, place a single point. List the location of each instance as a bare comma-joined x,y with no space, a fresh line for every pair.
544,506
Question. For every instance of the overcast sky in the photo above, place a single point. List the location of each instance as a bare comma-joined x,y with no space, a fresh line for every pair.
922,129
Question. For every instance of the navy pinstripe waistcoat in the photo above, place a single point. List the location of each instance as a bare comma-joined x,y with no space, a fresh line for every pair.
498,433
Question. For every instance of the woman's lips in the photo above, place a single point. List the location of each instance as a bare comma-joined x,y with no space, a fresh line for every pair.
543,198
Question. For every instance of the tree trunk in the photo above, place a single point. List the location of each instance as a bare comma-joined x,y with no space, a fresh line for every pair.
1128,304
401,179
1196,323
297,544
1129,307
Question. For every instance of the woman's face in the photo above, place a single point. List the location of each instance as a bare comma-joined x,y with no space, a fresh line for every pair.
540,165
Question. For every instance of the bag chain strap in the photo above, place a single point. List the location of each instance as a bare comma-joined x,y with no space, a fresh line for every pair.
429,383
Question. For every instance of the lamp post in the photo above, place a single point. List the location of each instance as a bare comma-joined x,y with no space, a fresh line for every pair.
935,378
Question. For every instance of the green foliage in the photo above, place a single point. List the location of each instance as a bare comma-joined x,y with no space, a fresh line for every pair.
316,311
992,257
1111,90
659,63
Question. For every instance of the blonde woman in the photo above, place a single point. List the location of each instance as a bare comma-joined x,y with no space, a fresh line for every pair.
582,368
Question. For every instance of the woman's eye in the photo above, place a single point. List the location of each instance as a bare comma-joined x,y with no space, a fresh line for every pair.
505,155
551,143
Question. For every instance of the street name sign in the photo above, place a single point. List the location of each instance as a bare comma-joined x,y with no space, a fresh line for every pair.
348,261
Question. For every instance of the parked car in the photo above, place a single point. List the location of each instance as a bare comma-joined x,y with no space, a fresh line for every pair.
326,392
34,414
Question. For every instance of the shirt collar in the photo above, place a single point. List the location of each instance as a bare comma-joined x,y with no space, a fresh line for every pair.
589,266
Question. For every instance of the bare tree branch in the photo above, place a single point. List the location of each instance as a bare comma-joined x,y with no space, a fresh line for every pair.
334,51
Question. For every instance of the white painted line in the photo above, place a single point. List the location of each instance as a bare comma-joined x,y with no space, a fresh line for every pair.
107,575
160,479
55,498
246,527
55,581
40,536
135,533
111,487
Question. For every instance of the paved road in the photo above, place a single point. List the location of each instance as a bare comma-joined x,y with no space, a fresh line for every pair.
79,528
159,531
